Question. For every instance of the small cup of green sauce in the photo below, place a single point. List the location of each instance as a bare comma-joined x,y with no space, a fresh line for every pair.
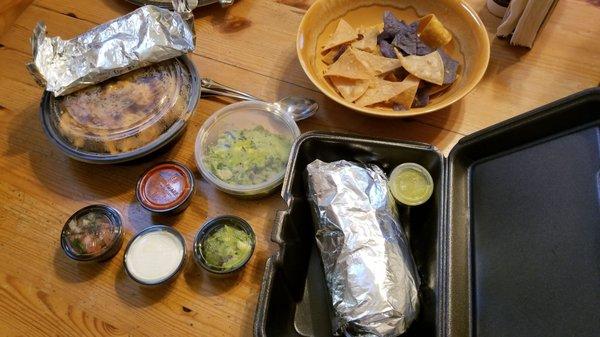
224,245
411,184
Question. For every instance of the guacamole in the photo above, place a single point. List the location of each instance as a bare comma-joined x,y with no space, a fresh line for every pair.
227,247
248,156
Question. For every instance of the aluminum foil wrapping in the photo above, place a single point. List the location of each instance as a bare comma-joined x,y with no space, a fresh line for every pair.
145,36
366,257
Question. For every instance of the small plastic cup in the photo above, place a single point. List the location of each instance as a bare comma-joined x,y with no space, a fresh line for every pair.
155,256
411,184
209,228
166,188
94,233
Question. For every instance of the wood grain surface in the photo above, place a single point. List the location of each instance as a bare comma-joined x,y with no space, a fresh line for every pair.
250,46
10,11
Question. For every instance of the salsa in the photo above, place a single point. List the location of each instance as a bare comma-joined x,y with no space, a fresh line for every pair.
411,184
91,233
248,156
227,247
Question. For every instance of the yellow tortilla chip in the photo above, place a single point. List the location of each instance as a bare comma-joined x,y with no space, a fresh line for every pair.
349,66
383,91
407,97
428,67
343,33
328,58
369,39
350,89
438,88
432,32
377,64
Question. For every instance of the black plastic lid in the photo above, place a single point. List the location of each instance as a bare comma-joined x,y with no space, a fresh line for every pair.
525,205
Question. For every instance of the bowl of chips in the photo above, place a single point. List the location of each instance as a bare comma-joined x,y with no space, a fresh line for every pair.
393,58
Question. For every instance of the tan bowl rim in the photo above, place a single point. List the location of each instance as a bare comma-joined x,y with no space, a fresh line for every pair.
481,31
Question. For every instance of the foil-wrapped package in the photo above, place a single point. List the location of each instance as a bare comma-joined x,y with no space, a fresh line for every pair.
369,269
145,36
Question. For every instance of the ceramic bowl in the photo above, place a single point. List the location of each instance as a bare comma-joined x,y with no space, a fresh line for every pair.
470,44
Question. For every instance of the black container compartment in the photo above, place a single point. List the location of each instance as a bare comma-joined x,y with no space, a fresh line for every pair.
294,300
524,225
509,245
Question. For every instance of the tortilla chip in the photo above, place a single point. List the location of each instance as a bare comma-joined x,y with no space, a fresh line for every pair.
390,77
334,54
328,56
407,97
350,89
369,39
383,91
425,92
450,67
433,32
409,42
421,99
398,107
378,64
434,89
344,33
391,25
428,67
386,49
349,66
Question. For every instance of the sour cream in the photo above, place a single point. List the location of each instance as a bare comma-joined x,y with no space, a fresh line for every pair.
155,255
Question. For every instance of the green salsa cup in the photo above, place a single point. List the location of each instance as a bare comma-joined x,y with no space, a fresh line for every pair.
411,184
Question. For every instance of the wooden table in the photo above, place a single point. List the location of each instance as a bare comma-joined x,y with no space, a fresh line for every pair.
250,46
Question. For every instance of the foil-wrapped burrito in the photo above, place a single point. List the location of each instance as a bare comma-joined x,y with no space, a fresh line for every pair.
369,269
145,36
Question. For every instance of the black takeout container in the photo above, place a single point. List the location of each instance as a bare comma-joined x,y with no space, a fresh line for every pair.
508,245
48,107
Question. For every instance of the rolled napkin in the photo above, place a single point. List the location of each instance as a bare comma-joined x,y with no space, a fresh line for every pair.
524,20
366,256
145,36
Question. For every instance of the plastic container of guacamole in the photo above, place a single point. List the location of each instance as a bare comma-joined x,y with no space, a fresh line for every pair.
224,245
243,149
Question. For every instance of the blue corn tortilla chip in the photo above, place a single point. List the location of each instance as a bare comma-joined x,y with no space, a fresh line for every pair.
450,67
422,48
422,96
408,41
391,24
385,36
399,107
387,49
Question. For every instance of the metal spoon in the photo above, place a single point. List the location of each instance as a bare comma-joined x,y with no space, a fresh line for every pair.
298,107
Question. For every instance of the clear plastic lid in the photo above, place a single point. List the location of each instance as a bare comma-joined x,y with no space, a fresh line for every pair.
126,116
243,148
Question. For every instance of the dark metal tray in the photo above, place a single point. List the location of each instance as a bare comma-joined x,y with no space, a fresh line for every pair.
293,298
508,246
